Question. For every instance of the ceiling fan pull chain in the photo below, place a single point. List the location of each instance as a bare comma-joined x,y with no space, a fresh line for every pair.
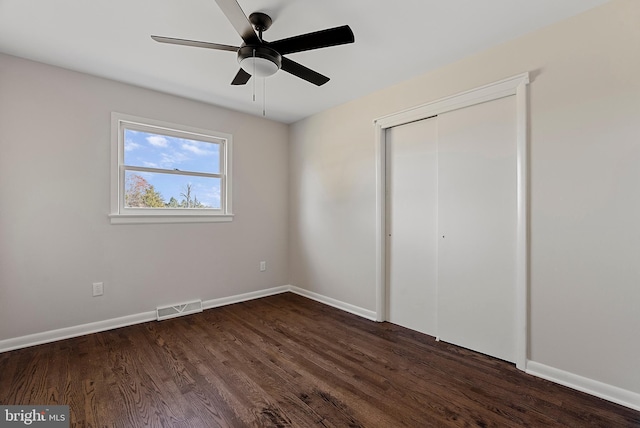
254,75
264,96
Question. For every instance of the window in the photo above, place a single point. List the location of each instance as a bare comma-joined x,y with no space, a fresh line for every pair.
167,173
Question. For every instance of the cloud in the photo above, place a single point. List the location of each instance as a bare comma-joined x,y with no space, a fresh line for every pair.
170,160
210,196
150,164
130,145
158,141
193,148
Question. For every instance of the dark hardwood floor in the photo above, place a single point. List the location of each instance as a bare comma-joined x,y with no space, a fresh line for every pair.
287,361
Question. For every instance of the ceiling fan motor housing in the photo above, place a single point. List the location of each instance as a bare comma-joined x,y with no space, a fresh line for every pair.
259,60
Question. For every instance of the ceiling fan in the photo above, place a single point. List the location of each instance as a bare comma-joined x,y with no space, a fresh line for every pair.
260,58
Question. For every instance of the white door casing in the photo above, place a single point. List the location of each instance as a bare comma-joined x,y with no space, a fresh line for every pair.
517,86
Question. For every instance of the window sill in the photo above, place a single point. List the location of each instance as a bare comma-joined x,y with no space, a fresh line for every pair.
158,219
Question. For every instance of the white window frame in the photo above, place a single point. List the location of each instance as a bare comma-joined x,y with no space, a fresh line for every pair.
123,215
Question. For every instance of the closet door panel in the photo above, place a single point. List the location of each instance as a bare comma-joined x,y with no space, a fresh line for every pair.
411,174
477,227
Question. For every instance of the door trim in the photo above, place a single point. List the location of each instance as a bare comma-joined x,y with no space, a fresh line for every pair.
516,85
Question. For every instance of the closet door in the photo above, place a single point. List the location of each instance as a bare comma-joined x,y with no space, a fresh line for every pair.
477,227
411,185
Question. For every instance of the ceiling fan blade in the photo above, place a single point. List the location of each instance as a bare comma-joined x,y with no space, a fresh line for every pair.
303,72
239,20
241,78
195,43
319,39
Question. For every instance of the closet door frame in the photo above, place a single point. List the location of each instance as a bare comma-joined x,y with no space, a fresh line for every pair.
513,86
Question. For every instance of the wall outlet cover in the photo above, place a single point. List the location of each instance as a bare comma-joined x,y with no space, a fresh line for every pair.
98,289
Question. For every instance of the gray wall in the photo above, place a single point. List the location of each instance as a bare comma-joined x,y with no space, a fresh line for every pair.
585,173
55,236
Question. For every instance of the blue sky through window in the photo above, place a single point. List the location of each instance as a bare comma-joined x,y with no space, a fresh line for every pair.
151,150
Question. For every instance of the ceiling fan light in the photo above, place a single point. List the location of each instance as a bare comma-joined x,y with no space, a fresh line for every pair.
259,67
259,60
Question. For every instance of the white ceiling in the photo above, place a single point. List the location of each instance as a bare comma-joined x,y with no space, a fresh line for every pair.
395,40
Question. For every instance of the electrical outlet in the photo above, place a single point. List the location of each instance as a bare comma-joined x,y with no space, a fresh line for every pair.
263,266
98,289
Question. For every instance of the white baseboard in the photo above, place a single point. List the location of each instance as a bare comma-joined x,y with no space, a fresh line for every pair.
98,326
214,303
593,387
110,324
75,331
364,313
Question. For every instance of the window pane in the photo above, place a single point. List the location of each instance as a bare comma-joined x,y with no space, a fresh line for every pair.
162,151
155,190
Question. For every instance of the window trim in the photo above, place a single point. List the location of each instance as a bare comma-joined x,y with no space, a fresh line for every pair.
121,215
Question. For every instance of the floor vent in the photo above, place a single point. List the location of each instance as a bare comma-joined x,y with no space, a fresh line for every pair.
166,312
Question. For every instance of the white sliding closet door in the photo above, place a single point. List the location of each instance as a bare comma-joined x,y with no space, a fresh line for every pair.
411,174
477,227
